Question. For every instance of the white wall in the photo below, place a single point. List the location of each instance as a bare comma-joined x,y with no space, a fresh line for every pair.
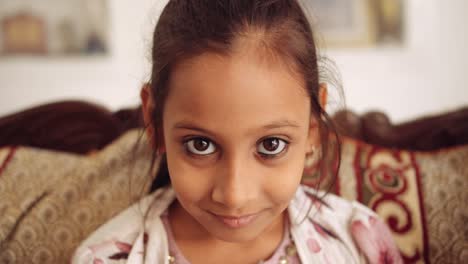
86,16
426,76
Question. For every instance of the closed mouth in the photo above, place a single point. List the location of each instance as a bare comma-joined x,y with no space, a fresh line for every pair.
236,221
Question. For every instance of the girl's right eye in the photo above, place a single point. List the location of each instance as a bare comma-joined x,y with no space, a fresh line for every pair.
200,146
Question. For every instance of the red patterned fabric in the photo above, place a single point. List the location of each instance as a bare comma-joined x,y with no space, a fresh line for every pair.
387,181
7,159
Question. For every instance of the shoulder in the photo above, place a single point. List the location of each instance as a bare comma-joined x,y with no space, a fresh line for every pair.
114,240
362,231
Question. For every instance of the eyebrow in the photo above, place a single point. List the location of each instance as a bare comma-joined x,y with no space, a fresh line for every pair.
190,126
282,123
273,125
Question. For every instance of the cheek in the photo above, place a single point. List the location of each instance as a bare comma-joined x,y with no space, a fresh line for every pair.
285,180
190,184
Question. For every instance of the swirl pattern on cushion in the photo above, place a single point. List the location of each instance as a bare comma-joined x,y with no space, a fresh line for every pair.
422,196
388,182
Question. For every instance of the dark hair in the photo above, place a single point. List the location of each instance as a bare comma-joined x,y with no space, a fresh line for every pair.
187,28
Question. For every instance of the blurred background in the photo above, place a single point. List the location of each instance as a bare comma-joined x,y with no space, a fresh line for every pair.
407,58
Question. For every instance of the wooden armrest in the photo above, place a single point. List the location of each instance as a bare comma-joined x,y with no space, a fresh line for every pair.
424,134
72,126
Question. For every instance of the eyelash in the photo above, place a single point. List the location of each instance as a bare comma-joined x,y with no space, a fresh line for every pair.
263,155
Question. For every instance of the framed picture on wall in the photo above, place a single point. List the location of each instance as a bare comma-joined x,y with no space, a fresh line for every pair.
24,33
356,23
343,23
54,27
390,20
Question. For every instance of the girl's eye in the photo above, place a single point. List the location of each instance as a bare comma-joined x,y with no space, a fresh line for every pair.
272,146
200,146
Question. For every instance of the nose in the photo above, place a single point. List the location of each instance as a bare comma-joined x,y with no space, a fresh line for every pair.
235,185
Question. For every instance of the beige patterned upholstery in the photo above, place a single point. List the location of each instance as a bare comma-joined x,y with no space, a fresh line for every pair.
50,201
445,185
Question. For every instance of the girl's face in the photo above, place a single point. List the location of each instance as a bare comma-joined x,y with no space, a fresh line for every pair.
236,131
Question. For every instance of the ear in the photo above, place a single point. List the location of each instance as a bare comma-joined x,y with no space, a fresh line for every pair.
314,132
323,95
147,108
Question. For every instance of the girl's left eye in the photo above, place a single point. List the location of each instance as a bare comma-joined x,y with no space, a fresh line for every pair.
272,146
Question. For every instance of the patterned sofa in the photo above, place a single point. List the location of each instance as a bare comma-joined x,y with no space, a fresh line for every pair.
67,167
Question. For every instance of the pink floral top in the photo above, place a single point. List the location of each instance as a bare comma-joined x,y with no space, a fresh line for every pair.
334,231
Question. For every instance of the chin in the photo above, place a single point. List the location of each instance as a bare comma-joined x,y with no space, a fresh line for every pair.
234,236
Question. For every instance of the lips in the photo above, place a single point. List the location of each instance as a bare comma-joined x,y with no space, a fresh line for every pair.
236,221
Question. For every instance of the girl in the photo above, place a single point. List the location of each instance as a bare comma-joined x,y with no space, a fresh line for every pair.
234,106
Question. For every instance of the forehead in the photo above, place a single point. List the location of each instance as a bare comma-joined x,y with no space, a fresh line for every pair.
242,89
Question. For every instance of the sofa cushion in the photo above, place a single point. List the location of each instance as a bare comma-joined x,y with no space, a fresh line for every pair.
421,195
444,177
50,201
